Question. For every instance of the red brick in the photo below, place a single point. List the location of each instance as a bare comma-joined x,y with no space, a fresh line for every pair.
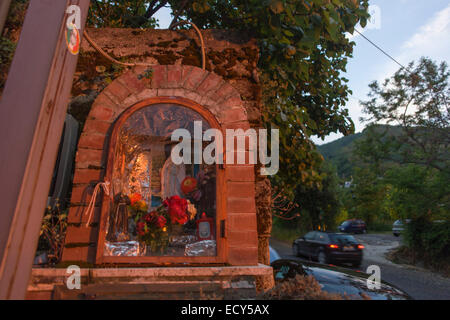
210,84
81,234
194,78
118,90
241,256
88,157
83,194
79,215
242,221
174,76
39,295
237,205
232,102
242,238
102,113
166,92
240,173
131,81
240,189
185,71
237,125
96,126
224,92
233,115
179,93
86,176
85,254
104,101
92,141
159,77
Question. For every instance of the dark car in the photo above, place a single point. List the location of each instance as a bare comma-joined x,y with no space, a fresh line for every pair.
348,283
326,247
353,226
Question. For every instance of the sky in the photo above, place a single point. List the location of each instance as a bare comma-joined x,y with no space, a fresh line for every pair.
406,29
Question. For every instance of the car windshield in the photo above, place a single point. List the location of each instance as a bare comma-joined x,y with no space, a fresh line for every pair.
342,238
346,223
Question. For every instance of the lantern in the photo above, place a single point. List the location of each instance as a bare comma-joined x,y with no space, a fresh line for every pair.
205,230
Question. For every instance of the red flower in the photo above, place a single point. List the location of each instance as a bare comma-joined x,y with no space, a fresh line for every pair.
149,217
140,226
188,185
160,222
177,210
135,197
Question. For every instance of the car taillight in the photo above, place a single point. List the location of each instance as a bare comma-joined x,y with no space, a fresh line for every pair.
360,246
333,246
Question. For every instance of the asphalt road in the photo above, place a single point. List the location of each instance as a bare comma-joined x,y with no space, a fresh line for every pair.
418,283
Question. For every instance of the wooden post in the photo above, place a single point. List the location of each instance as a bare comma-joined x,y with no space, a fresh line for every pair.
32,112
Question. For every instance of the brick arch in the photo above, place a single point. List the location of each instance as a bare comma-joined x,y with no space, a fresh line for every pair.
204,88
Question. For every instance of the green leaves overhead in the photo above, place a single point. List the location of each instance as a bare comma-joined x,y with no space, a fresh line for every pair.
304,50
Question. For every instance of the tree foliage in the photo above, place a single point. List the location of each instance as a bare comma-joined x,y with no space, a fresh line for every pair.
304,51
411,164
129,13
317,207
417,99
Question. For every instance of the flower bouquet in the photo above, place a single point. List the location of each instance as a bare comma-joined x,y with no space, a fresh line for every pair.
153,228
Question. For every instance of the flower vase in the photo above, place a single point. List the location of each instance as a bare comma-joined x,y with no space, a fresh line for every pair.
143,249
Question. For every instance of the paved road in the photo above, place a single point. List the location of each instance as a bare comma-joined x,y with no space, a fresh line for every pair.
418,283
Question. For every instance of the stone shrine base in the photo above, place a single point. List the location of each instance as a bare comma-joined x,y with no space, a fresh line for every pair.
230,282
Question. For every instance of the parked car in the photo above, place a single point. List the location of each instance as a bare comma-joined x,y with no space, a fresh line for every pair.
397,228
273,255
337,280
326,247
353,226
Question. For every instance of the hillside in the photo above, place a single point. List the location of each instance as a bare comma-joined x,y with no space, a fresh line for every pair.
340,151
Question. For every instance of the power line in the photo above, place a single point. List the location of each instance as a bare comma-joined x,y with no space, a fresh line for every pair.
384,52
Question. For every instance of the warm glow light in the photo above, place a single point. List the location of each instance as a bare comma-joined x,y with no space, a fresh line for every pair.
333,246
360,246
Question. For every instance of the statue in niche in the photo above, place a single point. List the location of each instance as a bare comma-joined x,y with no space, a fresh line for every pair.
171,177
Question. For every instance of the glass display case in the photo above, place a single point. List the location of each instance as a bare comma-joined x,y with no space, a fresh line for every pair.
156,207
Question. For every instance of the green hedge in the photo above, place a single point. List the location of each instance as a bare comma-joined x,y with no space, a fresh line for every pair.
430,240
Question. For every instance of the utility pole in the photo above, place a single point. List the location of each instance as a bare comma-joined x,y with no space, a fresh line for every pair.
32,113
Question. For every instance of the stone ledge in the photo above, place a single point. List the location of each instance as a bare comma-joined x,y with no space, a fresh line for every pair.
46,280
128,273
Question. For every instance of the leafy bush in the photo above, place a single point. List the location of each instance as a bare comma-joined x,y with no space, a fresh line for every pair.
52,233
430,240
436,240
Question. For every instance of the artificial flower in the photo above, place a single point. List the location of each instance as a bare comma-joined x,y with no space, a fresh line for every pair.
188,185
135,197
177,210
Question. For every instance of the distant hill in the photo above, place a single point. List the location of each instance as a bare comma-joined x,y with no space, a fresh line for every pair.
340,151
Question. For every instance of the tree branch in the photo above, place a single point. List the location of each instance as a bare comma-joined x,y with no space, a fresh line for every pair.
153,8
178,13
